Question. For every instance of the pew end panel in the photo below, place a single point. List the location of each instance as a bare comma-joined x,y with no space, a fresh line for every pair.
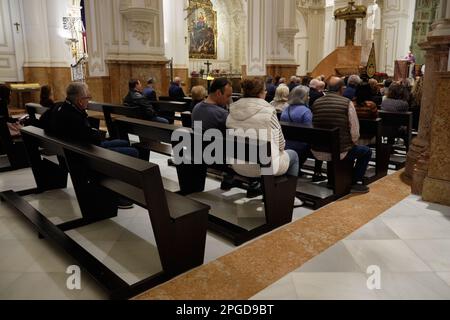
13,147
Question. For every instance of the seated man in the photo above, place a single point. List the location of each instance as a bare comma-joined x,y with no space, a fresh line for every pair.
336,111
176,91
149,92
136,99
69,120
212,112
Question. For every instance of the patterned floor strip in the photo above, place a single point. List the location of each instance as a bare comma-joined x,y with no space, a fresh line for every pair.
247,271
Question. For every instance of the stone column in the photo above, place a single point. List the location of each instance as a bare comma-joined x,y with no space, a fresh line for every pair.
47,56
126,40
436,186
256,52
176,38
281,28
426,144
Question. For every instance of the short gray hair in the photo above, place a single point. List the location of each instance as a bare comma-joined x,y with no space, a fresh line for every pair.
76,90
299,96
354,80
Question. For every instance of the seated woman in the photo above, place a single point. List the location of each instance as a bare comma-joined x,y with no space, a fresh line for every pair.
252,112
47,97
198,94
298,112
280,102
396,100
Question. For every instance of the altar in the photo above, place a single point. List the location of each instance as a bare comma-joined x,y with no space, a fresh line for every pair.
24,93
235,79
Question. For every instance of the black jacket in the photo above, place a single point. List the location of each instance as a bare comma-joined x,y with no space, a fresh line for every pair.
66,121
137,100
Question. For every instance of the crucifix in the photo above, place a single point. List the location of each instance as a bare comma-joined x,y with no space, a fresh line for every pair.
208,64
17,25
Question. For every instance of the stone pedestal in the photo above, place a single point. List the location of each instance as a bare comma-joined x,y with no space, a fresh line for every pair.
436,187
121,72
437,54
282,70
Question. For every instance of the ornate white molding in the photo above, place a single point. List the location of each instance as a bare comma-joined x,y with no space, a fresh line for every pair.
311,4
141,22
287,37
140,30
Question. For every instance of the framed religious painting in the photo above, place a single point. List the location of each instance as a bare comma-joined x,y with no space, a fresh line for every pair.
202,27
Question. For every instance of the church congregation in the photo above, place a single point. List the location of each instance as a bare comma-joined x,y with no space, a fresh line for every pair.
176,144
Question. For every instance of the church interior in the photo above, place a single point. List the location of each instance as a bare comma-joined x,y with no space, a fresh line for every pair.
343,86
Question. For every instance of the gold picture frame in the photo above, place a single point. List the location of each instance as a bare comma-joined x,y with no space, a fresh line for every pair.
202,28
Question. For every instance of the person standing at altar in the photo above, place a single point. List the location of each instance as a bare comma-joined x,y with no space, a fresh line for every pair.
410,57
412,64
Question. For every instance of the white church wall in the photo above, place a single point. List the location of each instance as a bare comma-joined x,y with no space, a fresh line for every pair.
397,32
12,53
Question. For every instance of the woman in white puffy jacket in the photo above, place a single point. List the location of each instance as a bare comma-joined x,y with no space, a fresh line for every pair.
253,112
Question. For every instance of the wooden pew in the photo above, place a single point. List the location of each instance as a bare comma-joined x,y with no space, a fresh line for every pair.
187,100
34,109
99,177
279,192
369,129
339,171
13,148
168,109
392,122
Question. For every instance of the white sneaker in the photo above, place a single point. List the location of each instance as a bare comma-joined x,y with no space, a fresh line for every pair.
298,203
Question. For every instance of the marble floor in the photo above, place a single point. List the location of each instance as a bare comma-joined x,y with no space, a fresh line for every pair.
409,245
36,269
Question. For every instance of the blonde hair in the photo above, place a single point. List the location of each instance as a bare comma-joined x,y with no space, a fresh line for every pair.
282,94
198,93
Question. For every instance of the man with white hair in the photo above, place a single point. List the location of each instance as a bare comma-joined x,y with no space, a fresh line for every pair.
175,90
314,92
69,120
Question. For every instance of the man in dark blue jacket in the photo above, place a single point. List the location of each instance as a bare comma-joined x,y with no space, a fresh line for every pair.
176,91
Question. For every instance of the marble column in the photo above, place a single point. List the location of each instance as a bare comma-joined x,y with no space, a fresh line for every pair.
424,158
436,156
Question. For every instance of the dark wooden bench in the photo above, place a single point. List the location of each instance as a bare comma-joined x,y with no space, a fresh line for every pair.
34,109
168,109
370,129
392,122
279,192
187,100
14,149
99,177
339,171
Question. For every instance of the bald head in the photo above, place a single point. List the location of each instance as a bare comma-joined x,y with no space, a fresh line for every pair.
177,80
335,85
